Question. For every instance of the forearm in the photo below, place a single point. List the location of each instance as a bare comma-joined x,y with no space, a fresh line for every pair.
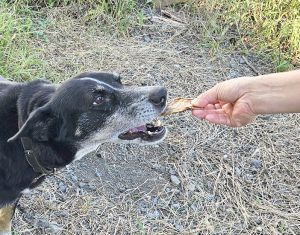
274,93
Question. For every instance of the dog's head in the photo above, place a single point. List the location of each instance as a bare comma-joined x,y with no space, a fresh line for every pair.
93,108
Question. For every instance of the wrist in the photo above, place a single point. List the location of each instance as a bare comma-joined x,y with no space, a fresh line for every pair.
273,93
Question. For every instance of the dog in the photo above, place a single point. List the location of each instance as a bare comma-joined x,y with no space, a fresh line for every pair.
44,127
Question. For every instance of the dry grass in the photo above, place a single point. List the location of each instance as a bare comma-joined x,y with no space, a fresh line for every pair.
128,189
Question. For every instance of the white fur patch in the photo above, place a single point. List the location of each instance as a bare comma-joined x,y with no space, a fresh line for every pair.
100,83
26,191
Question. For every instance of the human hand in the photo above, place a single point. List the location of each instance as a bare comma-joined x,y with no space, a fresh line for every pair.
226,103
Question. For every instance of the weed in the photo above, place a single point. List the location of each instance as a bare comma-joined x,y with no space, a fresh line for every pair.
122,14
140,226
271,26
17,58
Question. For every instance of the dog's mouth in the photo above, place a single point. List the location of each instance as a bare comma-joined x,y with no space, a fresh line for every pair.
149,132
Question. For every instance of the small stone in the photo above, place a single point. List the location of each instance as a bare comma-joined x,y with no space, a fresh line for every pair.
237,171
98,155
266,117
256,163
242,61
194,207
179,227
258,221
62,188
175,180
155,201
210,198
225,157
74,178
191,187
175,190
50,227
122,189
153,215
147,38
259,229
172,172
249,177
175,206
81,185
92,187
158,167
98,174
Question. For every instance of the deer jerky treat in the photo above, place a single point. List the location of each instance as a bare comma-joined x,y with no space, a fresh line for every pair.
178,105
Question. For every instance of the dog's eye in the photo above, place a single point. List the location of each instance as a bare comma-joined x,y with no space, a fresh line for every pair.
98,100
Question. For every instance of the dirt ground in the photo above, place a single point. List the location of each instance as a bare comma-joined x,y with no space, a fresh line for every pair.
203,179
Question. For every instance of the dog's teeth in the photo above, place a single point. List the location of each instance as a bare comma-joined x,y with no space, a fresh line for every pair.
149,132
158,123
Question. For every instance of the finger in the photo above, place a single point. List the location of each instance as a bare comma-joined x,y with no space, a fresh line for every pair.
203,112
218,119
218,106
210,107
208,97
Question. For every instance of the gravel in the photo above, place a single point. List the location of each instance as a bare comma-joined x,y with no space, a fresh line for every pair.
175,180
256,163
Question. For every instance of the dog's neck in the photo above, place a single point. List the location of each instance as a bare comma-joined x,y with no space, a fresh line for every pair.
53,153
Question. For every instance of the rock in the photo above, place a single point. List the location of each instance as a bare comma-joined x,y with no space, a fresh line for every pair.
175,190
158,167
259,229
249,177
194,207
237,171
191,187
210,198
62,188
147,38
266,117
175,180
225,157
242,61
175,205
153,215
258,221
256,163
50,227
98,174
155,201
74,178
179,227
122,188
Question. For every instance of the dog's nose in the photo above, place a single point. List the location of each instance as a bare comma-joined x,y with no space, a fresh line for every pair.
158,97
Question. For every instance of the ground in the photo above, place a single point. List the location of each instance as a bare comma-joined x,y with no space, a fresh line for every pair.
203,179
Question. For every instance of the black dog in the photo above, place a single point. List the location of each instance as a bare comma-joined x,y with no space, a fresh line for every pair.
44,127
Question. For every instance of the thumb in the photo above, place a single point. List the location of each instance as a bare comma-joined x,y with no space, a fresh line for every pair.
208,97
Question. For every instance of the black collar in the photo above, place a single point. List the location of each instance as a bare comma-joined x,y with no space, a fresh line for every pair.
32,158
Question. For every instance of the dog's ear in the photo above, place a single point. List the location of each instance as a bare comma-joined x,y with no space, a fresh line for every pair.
38,126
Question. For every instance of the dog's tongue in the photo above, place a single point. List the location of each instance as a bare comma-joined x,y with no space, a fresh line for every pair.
139,129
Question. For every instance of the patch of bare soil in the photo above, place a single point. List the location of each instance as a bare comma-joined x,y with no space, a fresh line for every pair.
203,179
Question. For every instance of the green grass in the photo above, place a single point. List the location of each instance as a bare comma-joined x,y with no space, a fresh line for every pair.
18,59
270,27
119,14
122,15
21,23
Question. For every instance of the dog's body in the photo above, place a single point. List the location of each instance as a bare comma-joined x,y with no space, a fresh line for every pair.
65,123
